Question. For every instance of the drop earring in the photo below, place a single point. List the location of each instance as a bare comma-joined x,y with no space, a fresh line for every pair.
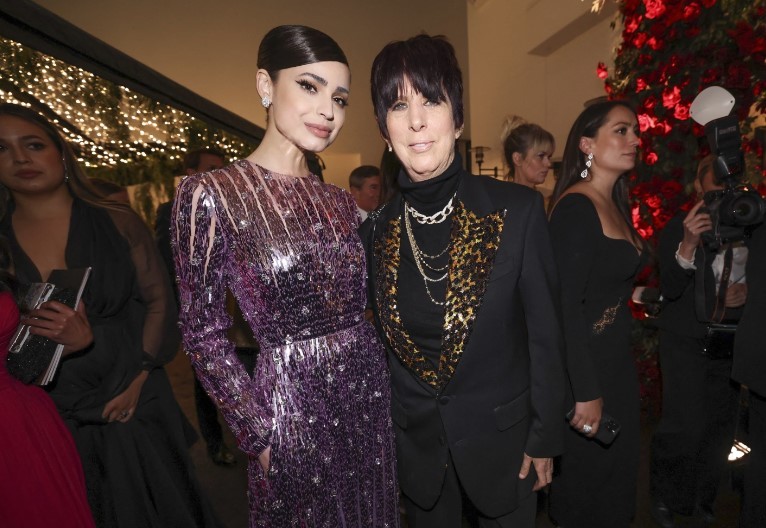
389,146
266,101
588,163
66,175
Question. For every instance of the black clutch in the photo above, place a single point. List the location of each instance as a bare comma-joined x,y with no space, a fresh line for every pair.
608,428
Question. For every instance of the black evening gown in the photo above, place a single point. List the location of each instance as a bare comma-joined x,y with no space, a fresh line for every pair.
138,473
596,485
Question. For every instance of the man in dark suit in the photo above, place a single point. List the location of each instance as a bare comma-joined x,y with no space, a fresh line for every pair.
470,419
750,370
690,445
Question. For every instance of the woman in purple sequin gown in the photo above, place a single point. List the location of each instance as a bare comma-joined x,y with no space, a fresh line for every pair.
314,418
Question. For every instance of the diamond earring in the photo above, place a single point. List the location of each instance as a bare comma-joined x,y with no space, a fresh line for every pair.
588,163
266,101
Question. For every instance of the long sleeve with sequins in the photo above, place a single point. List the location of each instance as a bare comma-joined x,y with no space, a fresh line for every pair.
202,262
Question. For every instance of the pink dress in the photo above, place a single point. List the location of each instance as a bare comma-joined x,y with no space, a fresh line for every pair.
41,479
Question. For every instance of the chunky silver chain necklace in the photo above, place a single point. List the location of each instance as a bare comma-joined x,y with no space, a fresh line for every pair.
437,218
421,258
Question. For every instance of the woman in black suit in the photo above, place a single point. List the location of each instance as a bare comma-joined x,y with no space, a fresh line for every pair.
598,252
465,297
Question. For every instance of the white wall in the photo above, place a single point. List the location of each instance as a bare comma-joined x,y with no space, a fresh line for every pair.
548,90
210,46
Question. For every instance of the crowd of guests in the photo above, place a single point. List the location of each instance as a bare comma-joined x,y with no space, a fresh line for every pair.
462,348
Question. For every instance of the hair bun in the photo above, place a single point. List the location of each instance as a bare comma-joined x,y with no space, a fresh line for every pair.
511,123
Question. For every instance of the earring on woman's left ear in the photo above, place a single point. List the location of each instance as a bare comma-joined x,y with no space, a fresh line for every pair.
66,175
588,163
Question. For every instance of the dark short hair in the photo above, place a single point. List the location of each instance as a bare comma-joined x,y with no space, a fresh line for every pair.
290,46
361,173
191,158
428,64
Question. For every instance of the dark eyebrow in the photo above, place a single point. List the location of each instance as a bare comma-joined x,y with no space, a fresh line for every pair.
623,123
323,82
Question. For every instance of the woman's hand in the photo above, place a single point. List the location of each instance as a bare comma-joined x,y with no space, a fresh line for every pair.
264,459
122,407
587,413
59,323
543,468
695,224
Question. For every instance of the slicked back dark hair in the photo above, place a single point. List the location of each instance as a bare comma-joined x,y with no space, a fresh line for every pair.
291,46
428,63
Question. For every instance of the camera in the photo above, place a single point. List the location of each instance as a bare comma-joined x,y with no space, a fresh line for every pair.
736,209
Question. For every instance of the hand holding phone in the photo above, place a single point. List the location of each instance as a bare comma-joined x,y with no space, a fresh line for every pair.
608,428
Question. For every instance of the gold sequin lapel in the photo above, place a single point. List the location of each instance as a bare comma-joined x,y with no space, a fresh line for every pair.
387,260
476,241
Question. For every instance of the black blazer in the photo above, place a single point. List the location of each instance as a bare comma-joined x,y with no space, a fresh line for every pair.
749,366
499,391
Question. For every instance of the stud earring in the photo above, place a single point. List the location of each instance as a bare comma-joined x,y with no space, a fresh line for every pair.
266,101
588,163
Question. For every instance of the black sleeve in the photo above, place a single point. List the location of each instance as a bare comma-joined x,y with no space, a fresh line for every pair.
540,295
674,280
575,232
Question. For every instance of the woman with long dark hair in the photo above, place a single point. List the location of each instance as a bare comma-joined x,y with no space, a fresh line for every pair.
114,396
598,252
314,417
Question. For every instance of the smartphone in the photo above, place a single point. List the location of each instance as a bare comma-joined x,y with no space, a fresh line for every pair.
608,428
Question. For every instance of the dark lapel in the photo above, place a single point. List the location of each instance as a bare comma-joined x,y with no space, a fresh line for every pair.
475,232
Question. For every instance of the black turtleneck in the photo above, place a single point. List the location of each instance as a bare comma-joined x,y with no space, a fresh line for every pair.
423,319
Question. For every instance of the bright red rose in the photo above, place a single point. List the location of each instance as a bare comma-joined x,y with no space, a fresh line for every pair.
653,202
681,112
671,96
651,158
602,71
655,44
632,23
639,39
645,122
691,11
640,84
654,8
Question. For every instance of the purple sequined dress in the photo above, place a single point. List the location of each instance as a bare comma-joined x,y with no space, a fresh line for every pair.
288,249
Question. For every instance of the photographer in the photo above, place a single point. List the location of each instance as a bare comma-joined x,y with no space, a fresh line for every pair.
750,370
690,446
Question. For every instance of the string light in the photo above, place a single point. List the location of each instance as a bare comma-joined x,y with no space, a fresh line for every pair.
111,124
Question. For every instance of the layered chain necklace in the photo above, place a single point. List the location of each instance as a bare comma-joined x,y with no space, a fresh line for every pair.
427,263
